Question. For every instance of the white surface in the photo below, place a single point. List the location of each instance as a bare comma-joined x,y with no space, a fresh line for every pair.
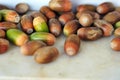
95,61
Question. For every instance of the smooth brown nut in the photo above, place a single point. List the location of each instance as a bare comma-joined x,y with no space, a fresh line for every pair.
2,33
71,27
47,12
72,45
60,5
86,19
86,7
46,54
55,27
112,17
117,32
65,17
105,7
4,45
105,26
30,47
90,33
7,25
22,8
27,24
115,44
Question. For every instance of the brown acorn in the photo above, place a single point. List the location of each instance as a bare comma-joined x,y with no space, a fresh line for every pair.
47,12
55,27
65,17
31,46
27,24
105,7
90,33
71,27
7,25
46,54
72,45
2,33
105,26
115,44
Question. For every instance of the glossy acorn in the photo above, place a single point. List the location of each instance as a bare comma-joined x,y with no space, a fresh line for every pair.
72,45
85,7
17,37
22,8
48,38
115,44
31,46
47,12
60,5
105,7
90,33
27,24
40,24
112,17
65,17
4,45
2,33
10,15
7,25
71,27
46,55
105,26
55,27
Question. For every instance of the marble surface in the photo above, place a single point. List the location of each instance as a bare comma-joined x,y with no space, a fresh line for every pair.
95,60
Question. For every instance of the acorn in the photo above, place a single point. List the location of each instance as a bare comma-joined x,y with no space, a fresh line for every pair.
4,45
7,25
48,38
40,24
105,26
112,17
46,55
72,45
17,37
115,44
2,33
90,33
10,15
47,12
117,32
65,17
71,27
27,24
22,8
31,46
85,7
60,5
55,27
105,7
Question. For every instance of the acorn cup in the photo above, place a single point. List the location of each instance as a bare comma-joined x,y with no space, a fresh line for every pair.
46,55
27,24
17,37
71,27
65,17
47,12
39,24
72,45
10,15
55,27
7,25
48,38
31,46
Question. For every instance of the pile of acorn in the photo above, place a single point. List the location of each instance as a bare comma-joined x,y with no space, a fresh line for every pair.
39,29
